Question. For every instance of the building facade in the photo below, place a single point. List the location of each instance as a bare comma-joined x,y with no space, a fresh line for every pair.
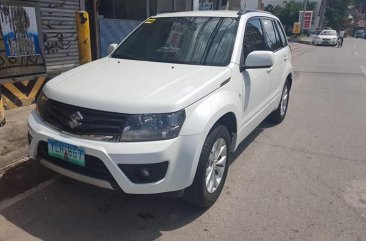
38,39
318,15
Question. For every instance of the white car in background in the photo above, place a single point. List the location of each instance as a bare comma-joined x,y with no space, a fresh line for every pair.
326,37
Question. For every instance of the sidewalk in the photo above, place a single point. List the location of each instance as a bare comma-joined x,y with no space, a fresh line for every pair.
18,173
13,136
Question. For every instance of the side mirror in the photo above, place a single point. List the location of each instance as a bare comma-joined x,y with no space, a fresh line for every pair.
259,60
111,48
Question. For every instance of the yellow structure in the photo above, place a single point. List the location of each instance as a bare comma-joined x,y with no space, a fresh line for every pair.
82,23
297,28
21,93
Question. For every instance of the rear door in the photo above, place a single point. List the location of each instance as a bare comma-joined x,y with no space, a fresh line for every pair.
277,43
284,59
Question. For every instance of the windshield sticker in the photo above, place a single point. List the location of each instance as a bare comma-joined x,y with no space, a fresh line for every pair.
150,20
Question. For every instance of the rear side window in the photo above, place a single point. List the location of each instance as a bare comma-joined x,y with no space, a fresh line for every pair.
281,33
272,38
253,37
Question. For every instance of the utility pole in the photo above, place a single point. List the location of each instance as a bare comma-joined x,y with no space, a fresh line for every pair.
260,5
322,11
303,16
148,8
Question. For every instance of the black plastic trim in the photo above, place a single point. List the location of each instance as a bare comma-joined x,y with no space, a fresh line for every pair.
157,171
94,167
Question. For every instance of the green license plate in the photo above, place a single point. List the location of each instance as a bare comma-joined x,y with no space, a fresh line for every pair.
66,152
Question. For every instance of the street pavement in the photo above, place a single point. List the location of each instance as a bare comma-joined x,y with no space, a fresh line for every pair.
304,179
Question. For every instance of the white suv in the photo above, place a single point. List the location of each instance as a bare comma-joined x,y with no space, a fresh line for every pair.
164,111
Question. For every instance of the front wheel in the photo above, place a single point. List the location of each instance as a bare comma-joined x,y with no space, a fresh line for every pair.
279,114
211,170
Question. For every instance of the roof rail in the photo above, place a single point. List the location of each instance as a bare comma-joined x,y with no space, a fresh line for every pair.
245,11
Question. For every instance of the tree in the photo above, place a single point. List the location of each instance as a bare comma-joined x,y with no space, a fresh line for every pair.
288,11
359,2
337,13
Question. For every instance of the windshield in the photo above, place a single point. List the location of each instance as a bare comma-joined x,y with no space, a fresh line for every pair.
186,40
328,32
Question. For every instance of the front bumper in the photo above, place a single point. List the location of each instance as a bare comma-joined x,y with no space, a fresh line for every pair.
181,153
325,42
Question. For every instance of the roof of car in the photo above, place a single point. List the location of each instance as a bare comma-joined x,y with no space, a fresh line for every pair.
214,13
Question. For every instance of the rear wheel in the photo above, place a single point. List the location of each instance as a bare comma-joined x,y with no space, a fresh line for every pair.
211,170
279,114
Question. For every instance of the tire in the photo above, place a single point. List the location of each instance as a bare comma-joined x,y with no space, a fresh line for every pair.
279,114
201,193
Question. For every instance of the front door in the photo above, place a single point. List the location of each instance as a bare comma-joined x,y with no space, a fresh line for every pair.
257,82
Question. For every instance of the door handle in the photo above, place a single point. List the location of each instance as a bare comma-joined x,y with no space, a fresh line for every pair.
269,70
285,58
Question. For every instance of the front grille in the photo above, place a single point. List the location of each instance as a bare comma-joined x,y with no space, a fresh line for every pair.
88,122
94,167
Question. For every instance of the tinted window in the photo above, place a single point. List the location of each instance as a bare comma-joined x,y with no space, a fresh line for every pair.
253,37
281,33
329,32
186,40
272,38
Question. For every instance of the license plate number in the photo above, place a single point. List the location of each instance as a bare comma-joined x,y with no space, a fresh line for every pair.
66,152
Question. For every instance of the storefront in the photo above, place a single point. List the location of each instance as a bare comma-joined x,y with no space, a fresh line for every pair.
38,39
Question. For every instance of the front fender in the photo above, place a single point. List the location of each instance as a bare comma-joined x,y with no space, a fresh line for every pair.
202,115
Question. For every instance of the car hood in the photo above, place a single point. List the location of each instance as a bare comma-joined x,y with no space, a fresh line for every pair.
327,36
132,87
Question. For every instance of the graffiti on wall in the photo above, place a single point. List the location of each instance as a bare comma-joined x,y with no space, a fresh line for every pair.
55,42
58,41
20,34
20,48
59,32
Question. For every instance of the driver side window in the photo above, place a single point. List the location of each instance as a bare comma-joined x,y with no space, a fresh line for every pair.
253,37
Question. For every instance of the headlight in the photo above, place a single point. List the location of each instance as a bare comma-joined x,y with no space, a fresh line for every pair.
152,127
40,103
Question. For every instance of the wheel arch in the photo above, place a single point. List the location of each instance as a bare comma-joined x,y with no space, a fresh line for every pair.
289,79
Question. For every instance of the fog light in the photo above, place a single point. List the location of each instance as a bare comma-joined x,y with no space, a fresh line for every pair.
145,173
30,137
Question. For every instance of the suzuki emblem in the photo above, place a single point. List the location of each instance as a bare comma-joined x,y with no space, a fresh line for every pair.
75,119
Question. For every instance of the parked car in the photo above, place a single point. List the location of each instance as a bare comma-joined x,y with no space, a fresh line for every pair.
165,110
326,37
360,34
314,34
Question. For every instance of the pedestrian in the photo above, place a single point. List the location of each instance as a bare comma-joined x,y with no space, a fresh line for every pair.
340,38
